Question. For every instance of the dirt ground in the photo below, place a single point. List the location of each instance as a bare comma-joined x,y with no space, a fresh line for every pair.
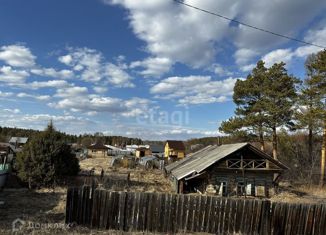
44,210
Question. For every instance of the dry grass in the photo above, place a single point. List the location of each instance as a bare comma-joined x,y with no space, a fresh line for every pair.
299,193
48,206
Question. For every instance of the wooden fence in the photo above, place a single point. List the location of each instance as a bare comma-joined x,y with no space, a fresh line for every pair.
172,213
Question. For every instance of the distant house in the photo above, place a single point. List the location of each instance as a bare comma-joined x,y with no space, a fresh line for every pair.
174,149
7,151
157,150
18,142
97,150
143,152
232,169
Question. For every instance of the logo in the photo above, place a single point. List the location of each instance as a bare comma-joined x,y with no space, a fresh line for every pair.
17,225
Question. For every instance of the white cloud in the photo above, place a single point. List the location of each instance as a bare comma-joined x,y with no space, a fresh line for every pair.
17,56
37,97
185,35
247,68
220,70
72,92
15,111
153,67
51,72
100,89
176,32
51,83
244,55
5,94
194,89
317,36
93,68
277,56
117,76
67,59
12,76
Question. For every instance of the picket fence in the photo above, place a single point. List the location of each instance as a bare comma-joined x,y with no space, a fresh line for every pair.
179,213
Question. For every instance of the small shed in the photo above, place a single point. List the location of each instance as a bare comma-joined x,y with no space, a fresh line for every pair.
97,150
142,152
18,142
227,170
174,150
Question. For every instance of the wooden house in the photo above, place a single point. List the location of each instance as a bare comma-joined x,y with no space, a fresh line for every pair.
174,150
226,170
97,150
7,152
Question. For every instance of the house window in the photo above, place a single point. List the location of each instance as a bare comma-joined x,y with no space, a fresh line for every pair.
222,188
240,188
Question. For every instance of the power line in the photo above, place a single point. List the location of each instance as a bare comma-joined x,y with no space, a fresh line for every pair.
247,25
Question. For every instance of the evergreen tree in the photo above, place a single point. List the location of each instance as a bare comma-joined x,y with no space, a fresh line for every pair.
46,159
264,102
247,96
317,82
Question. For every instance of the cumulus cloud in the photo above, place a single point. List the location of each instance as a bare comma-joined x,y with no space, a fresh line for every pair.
176,32
92,67
50,83
51,72
36,97
317,36
194,89
15,111
153,67
5,94
17,56
12,76
277,56
117,76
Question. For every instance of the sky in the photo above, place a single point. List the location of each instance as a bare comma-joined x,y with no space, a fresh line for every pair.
152,69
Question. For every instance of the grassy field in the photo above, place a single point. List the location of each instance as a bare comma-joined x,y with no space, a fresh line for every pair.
46,207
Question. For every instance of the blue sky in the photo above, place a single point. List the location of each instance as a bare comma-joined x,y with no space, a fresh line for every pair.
151,69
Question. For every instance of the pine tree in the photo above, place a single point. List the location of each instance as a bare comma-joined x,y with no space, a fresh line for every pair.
264,102
317,82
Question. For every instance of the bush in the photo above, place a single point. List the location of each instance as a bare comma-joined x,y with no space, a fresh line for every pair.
46,159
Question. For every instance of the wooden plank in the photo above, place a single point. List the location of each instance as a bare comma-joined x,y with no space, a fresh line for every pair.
186,212
232,216
172,214
208,214
322,224
224,216
122,208
203,204
309,219
130,211
180,217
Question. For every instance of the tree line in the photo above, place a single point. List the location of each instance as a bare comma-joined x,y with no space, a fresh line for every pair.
84,139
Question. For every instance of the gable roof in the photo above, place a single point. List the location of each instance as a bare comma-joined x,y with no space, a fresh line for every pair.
156,148
176,145
97,146
206,157
19,140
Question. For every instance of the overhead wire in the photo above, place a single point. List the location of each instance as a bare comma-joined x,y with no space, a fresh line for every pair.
248,25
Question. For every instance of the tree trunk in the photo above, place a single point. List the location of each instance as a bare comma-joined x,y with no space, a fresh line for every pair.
323,158
310,146
261,140
274,143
